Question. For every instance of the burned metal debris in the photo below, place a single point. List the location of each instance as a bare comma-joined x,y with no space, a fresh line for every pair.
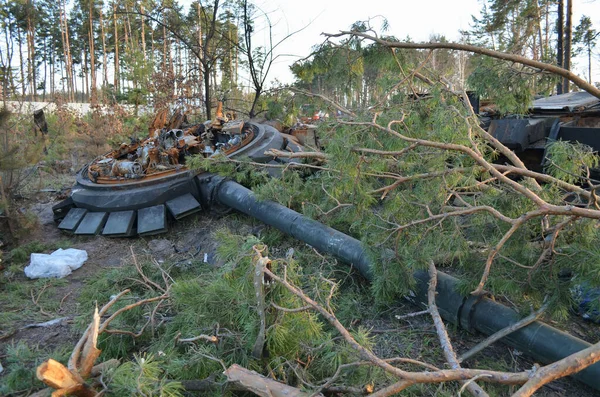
164,152
136,188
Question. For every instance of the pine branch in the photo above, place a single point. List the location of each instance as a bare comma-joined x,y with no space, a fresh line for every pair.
440,328
503,332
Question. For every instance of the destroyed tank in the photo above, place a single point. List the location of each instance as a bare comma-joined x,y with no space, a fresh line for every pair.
138,187
573,117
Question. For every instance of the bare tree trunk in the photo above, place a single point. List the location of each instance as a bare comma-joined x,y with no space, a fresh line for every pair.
547,38
104,56
45,62
539,28
116,48
93,97
178,71
63,78
68,59
31,52
21,62
230,57
143,32
9,52
52,71
207,98
85,90
568,35
589,63
64,45
214,78
170,53
164,50
70,71
74,89
128,31
237,53
200,66
559,43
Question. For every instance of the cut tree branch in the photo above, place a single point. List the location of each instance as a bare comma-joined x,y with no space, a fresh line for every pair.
297,155
503,332
440,328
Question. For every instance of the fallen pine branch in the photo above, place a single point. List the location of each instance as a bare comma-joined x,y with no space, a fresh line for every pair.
297,155
207,338
71,379
261,385
440,328
502,333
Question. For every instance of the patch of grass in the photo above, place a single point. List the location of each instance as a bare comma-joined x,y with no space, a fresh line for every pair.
21,362
16,302
21,254
15,305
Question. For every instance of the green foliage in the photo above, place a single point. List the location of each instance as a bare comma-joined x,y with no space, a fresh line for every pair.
585,37
280,105
139,71
510,26
143,377
570,161
21,254
511,89
513,27
239,169
226,300
221,301
20,363
389,219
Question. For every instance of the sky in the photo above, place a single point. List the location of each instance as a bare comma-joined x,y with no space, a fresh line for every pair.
418,19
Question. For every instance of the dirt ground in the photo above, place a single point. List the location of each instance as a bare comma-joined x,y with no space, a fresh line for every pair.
194,238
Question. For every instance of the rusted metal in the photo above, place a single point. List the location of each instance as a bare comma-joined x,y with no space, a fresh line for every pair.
160,121
305,134
164,151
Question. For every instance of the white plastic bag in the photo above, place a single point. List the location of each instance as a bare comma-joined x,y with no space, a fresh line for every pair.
58,264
